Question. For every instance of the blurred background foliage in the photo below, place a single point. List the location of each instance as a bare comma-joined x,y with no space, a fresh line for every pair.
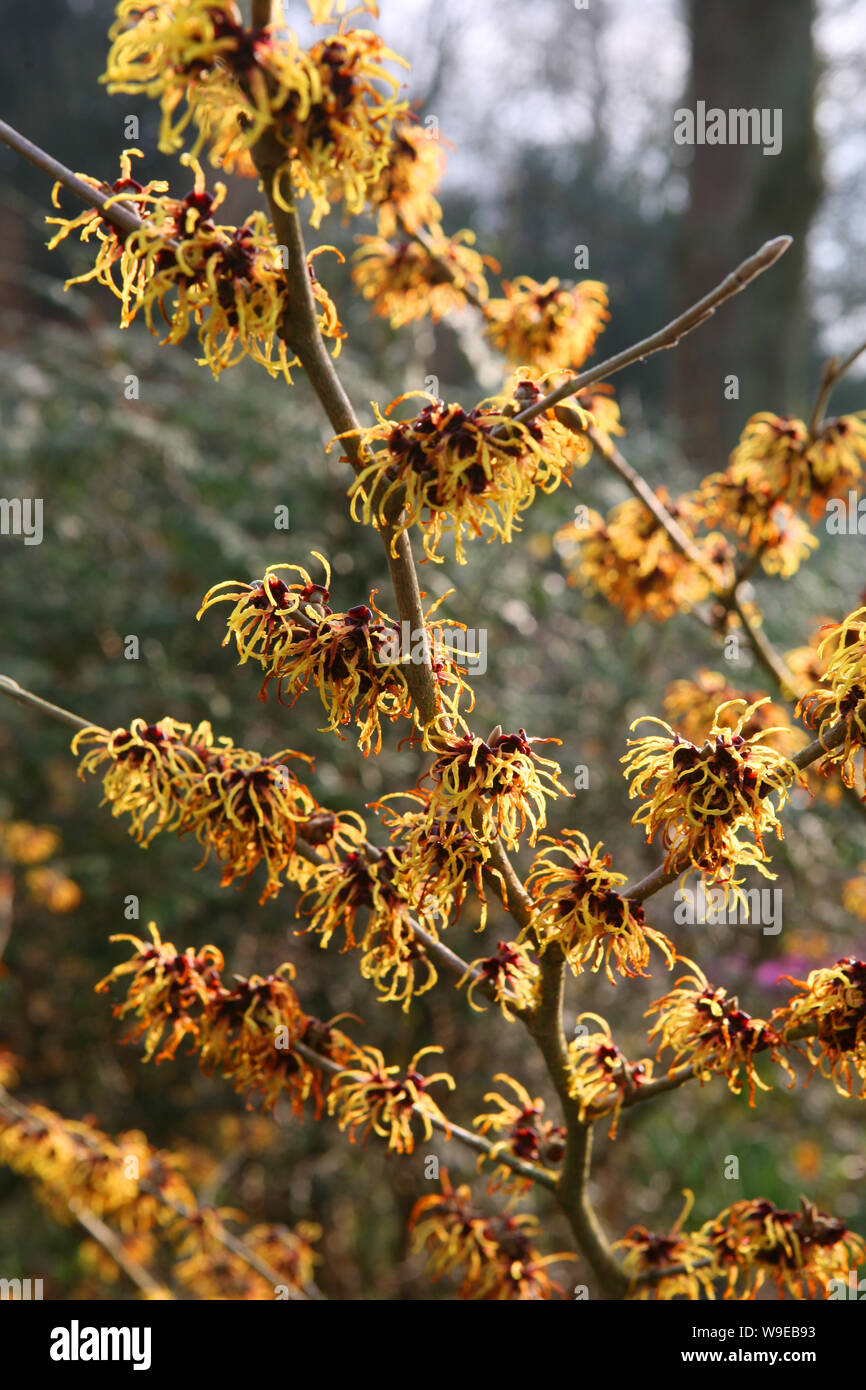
563,138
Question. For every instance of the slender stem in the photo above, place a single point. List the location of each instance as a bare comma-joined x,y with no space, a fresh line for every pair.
642,490
832,374
120,214
113,1245
545,1025
764,650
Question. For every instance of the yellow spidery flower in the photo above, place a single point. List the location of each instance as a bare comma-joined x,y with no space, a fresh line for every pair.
151,768
836,459
168,991
772,453
462,472
701,1026
248,809
701,798
359,661
245,807
748,507
385,1101
526,1133
328,112
439,858
261,620
600,1076
579,908
228,281
649,1255
494,1255
494,786
692,707
366,881
404,282
552,325
511,973
843,694
113,251
632,562
403,196
800,1251
832,1007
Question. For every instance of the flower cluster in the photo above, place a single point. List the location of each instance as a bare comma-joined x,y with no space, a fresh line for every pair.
185,270
493,786
385,1101
831,1011
800,1251
439,858
630,559
526,1133
579,908
747,508
328,113
494,1256
842,696
693,706
358,661
552,325
403,197
779,460
601,1077
365,887
405,280
464,471
702,797
713,1034
144,1194
246,808
676,1264
248,1031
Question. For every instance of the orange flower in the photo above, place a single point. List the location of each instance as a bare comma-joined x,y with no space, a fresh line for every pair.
551,325
404,282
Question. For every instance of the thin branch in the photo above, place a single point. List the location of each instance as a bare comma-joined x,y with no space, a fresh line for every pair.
545,1025
642,490
764,650
113,1245
120,214
832,374
672,333
472,1141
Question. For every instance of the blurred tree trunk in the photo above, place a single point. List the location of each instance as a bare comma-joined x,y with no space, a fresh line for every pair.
746,54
